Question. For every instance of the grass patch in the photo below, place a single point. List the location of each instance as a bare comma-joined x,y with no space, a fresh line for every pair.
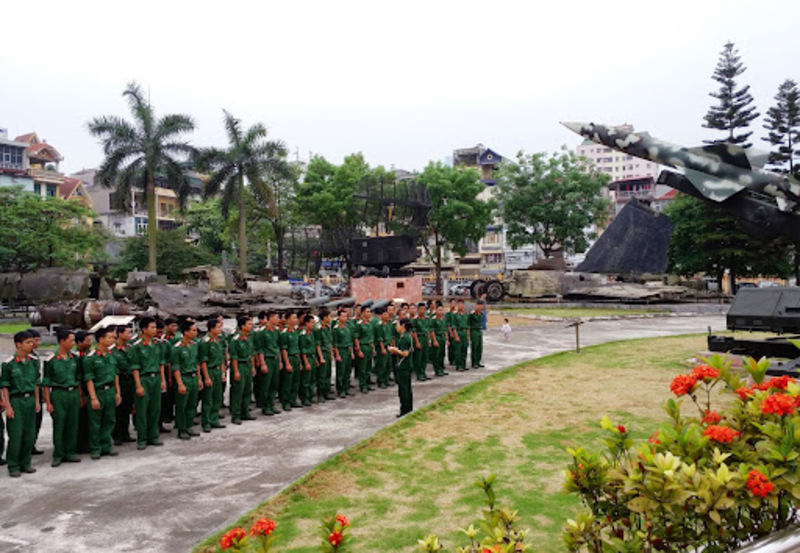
13,328
575,312
416,477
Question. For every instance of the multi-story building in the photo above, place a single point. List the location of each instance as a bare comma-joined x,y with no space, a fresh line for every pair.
14,162
616,164
492,254
134,223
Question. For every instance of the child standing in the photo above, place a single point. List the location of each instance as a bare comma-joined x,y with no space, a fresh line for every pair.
506,329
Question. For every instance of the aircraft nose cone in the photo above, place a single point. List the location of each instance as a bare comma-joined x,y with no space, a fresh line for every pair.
578,128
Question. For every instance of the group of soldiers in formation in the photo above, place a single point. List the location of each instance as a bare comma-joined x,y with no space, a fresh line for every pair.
160,375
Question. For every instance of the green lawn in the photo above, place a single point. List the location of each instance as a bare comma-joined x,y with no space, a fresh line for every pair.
13,328
416,477
575,312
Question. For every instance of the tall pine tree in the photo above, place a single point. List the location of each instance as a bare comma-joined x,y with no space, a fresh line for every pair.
783,123
734,113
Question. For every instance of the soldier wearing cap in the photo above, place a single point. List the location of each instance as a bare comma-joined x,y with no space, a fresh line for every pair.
19,380
102,382
62,396
150,381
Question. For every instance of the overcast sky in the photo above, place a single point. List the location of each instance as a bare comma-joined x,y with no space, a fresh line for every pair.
402,82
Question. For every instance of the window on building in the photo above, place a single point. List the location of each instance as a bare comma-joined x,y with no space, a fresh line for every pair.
51,191
492,238
37,189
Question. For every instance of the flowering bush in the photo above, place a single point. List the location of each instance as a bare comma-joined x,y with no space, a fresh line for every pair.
259,539
713,481
335,532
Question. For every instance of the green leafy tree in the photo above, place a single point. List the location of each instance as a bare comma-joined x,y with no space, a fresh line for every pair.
783,123
173,250
248,160
706,239
37,233
279,209
457,212
550,199
139,152
205,221
326,197
734,112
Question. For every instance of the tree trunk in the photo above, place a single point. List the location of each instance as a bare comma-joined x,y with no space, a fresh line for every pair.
438,263
152,223
279,238
732,281
242,228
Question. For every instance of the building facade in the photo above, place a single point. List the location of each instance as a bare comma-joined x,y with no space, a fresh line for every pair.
616,164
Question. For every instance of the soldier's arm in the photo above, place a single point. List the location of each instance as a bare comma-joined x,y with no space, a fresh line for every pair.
7,403
135,358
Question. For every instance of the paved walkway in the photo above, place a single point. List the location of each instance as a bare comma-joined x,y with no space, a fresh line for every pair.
168,499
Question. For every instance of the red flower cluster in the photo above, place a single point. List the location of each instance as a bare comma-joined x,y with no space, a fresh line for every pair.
621,429
778,404
758,484
493,549
263,526
744,392
683,384
335,538
232,537
711,417
341,519
653,439
704,372
779,383
721,434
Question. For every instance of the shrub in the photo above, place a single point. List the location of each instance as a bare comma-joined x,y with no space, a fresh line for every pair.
713,481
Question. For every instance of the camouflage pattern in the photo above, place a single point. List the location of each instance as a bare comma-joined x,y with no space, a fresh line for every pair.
718,171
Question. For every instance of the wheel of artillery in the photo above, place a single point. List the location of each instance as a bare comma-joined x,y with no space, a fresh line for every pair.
477,288
495,291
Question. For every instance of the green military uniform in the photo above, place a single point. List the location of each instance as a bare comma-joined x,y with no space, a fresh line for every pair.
241,350
184,362
272,356
168,399
461,326
404,368
476,339
146,358
260,378
343,343
451,346
323,336
439,328
83,414
383,339
422,328
290,386
61,374
21,378
365,333
212,353
101,370
127,392
308,348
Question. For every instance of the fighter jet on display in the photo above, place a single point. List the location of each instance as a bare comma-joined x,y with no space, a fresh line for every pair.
717,171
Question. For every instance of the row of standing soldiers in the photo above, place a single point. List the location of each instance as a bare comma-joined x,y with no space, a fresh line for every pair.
160,376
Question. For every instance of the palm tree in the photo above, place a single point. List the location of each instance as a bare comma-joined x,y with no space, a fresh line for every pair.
139,152
249,156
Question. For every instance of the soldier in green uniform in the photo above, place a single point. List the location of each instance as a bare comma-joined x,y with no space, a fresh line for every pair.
438,340
19,380
451,333
261,376
324,339
271,339
37,339
290,355
100,373
381,359
422,329
308,360
343,352
62,395
211,356
127,387
476,334
186,373
83,341
461,325
242,361
403,351
363,347
149,381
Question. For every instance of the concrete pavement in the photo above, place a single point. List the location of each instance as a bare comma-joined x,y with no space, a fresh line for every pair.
169,498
